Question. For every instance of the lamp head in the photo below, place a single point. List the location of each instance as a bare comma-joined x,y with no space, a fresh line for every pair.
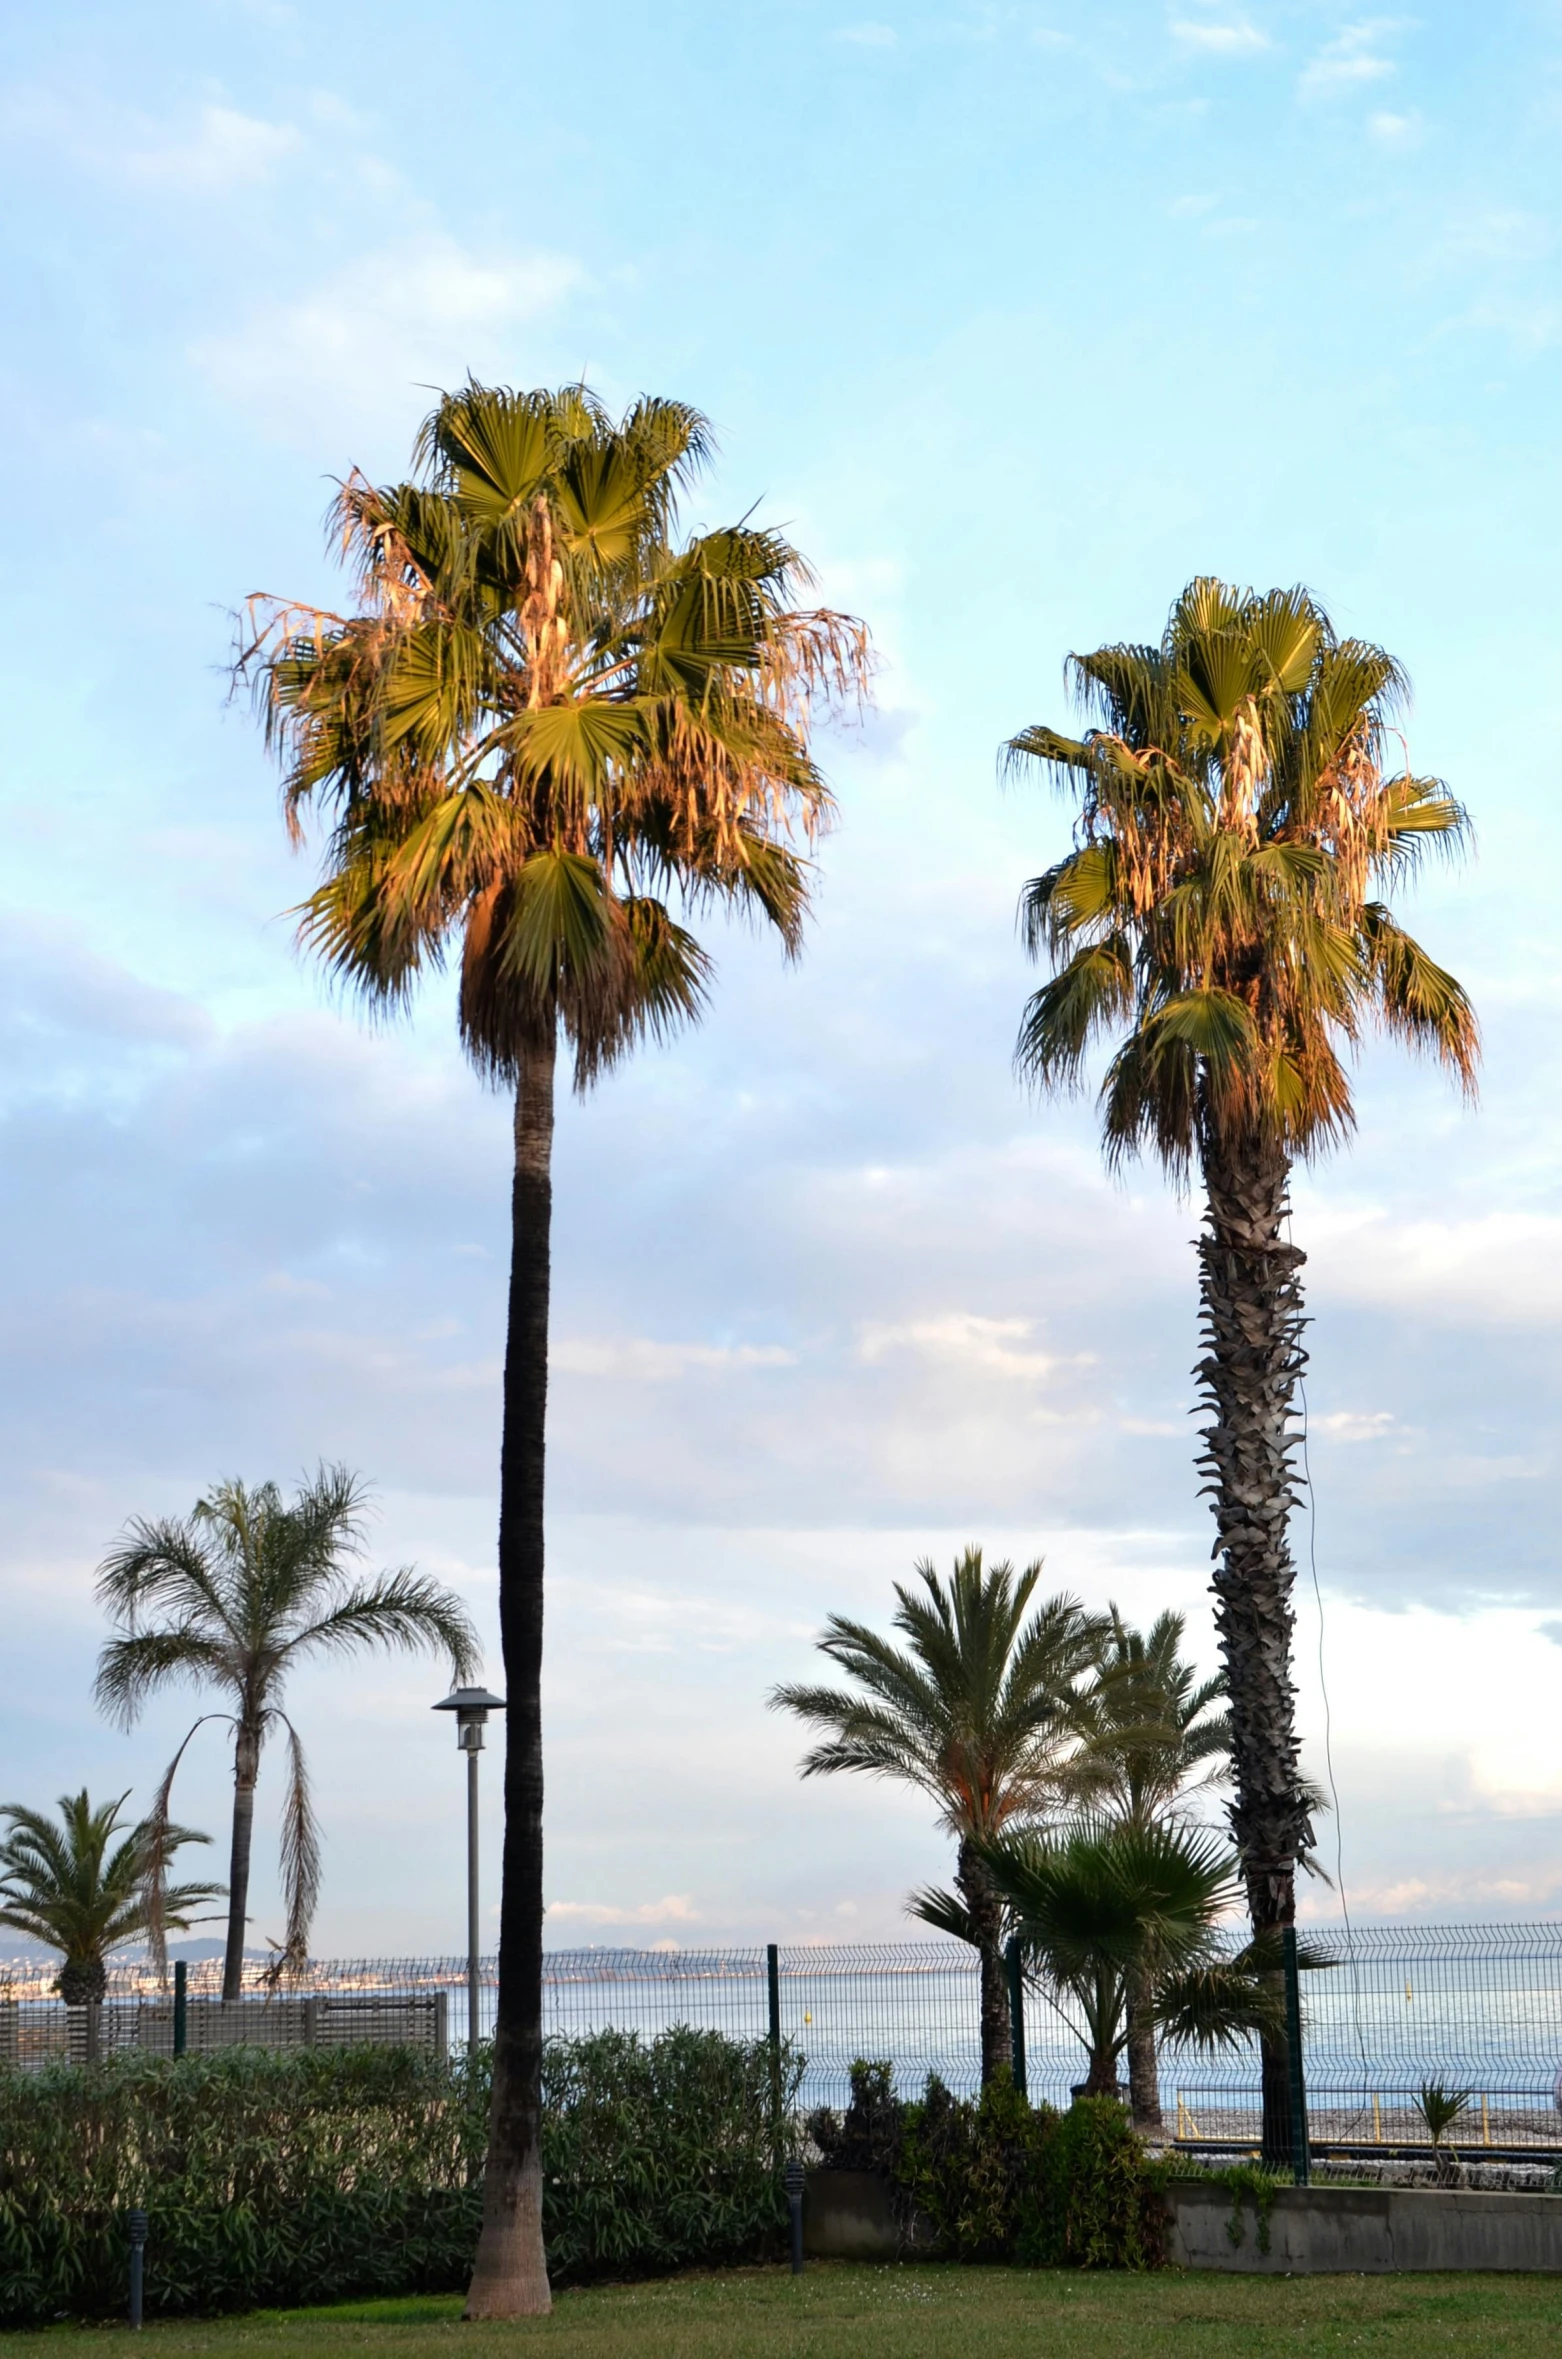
471,1706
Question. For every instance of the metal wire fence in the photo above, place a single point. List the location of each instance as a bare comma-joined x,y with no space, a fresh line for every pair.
1477,2007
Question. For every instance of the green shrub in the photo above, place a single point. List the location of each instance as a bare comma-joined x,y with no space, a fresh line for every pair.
1001,2180
311,2175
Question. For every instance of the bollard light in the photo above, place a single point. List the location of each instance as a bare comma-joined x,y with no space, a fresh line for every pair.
135,2228
793,2178
471,1706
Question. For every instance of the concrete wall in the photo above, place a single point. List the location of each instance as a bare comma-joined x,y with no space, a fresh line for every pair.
1313,2230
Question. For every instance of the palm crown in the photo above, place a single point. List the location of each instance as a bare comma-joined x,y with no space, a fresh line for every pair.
1219,906
232,1597
546,713
69,1884
1150,1731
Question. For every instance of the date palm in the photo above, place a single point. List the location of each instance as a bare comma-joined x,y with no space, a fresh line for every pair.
975,1710
233,1596
1152,1735
1221,915
80,1885
548,730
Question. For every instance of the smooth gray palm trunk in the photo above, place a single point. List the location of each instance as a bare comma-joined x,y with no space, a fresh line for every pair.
246,1769
510,2277
981,1898
1251,1304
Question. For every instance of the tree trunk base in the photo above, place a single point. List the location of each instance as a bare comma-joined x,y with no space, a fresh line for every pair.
510,2274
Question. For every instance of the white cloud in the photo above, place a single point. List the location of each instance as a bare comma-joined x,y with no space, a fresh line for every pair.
1395,130
1350,60
225,149
1229,37
991,1347
1356,1425
358,344
637,1360
1497,1269
675,1908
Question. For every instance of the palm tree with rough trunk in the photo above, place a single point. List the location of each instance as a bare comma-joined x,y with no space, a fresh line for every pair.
1151,1736
233,1596
81,1885
548,726
975,1711
1221,913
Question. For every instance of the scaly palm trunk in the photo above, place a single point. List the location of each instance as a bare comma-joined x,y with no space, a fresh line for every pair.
246,1769
510,2277
1144,2080
976,1889
1251,1303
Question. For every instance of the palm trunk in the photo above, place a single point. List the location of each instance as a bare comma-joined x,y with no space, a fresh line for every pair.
1144,2080
1251,1302
246,1769
510,2277
981,1899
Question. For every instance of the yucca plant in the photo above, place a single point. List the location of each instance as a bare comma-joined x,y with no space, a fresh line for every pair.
1442,2109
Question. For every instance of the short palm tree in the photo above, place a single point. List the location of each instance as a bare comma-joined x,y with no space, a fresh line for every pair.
547,728
1118,1920
1442,2108
80,1885
1152,1735
1220,914
232,1597
975,1711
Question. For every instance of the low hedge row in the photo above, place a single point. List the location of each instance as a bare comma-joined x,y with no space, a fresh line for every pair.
1002,2180
274,2178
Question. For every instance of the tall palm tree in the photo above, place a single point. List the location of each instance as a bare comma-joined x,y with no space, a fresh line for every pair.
1220,914
1151,1736
547,721
232,1597
975,1711
76,1888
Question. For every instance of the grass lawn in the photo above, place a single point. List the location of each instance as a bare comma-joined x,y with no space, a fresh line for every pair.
843,2312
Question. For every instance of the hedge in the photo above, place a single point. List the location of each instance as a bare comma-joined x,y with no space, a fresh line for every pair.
277,2178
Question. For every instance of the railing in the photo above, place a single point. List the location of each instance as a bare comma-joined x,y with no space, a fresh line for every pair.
1477,2007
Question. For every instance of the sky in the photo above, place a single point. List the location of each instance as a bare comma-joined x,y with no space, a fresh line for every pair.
1015,317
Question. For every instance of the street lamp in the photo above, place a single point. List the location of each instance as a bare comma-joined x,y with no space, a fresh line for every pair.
471,1706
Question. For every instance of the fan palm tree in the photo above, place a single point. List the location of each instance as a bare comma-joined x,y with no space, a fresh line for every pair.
974,1711
232,1597
1118,1919
80,1885
1220,912
548,724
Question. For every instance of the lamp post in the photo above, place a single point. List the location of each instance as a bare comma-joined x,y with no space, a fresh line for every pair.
471,1706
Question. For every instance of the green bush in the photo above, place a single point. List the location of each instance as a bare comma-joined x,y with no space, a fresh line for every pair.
1001,2180
308,2176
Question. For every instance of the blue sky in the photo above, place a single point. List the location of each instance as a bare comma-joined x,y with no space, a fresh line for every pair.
1016,317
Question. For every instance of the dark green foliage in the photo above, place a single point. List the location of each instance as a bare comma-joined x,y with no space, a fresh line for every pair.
1249,2183
307,2176
657,2156
1001,2180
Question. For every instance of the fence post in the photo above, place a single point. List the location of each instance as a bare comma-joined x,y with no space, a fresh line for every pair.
181,2006
773,1995
1016,1971
1300,2159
